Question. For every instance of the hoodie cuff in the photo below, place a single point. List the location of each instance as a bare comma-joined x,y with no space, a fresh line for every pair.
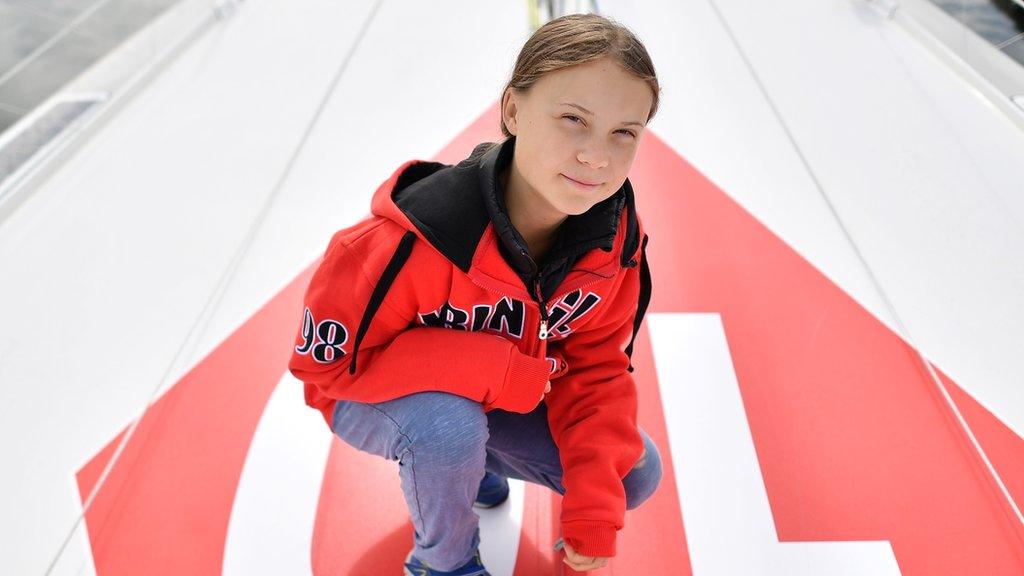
590,538
524,383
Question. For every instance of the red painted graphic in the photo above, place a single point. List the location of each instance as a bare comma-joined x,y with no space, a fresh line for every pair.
853,439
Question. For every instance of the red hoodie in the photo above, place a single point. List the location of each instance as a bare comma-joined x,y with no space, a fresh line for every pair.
436,290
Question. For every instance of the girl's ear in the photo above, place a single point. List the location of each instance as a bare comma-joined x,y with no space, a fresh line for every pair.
509,109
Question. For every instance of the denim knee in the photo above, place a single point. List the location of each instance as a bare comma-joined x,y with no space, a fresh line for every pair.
449,432
644,478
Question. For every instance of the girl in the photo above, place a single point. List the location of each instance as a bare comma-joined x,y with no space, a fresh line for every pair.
479,324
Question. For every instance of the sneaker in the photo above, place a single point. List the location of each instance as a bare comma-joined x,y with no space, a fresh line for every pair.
416,567
493,491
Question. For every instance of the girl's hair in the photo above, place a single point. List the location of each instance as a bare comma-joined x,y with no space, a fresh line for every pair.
575,39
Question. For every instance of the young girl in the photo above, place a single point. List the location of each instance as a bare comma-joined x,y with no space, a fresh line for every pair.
479,325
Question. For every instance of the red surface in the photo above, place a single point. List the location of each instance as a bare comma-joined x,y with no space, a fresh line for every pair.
853,440
362,524
164,509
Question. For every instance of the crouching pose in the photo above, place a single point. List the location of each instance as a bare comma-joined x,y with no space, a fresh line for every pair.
479,324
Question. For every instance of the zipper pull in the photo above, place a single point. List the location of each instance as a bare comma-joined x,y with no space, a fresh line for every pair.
543,335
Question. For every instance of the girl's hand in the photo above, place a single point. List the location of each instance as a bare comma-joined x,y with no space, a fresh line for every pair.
579,562
547,388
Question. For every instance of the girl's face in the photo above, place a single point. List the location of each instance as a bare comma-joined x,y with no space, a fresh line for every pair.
577,131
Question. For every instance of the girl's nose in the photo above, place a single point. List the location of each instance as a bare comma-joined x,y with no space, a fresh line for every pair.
595,156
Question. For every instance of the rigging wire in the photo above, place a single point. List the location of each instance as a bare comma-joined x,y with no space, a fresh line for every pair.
225,279
56,37
904,332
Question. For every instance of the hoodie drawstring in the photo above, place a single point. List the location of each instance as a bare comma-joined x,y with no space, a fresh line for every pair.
381,290
642,300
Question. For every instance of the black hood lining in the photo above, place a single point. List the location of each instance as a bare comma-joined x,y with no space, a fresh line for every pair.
446,207
452,206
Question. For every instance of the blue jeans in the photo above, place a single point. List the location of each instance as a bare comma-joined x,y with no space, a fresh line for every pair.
444,443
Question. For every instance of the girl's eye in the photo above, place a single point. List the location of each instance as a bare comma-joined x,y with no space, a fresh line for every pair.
573,119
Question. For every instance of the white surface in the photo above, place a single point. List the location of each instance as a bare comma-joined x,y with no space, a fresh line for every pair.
109,264
122,247
500,529
729,524
274,511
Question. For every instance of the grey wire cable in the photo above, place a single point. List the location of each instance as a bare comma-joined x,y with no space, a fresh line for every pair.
904,332
42,48
225,279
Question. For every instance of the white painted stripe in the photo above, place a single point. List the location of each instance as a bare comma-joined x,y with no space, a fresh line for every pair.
272,518
728,520
500,528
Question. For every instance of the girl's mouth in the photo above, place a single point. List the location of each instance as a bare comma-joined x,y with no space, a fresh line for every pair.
579,184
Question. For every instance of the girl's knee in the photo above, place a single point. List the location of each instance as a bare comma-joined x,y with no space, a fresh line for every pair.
447,426
644,478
